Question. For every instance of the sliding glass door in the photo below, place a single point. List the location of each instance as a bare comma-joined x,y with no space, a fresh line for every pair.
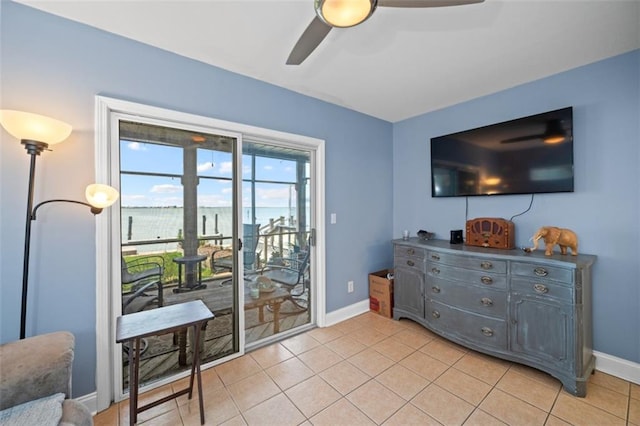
178,213
209,210
276,198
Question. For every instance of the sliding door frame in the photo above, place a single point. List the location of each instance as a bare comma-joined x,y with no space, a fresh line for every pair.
108,229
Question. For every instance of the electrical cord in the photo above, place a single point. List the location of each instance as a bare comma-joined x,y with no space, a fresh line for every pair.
528,208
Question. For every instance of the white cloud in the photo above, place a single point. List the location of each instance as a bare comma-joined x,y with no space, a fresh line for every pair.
225,167
168,201
205,166
273,194
166,189
214,200
136,146
268,167
133,200
135,197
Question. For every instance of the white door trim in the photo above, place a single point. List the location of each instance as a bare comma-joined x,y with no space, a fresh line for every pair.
107,226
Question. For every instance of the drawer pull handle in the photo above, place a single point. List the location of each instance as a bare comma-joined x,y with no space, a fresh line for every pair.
486,301
541,272
435,314
411,263
486,265
435,257
435,289
487,331
411,251
435,270
486,280
541,288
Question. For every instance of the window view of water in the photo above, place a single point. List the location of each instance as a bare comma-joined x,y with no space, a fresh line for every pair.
151,223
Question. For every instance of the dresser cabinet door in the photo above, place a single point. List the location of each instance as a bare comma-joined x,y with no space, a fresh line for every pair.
408,291
542,330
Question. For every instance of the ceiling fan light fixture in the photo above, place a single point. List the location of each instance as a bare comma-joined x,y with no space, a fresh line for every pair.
554,133
344,13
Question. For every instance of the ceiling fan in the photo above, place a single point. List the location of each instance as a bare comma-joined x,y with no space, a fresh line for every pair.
348,13
553,133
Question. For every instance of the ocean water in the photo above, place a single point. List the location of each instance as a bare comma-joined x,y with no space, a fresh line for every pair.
151,223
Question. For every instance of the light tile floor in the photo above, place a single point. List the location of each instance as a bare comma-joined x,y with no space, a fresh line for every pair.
372,370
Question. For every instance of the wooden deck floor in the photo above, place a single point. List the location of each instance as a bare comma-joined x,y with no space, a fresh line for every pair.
161,356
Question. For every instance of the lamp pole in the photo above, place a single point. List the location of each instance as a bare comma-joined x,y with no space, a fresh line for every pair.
33,148
31,130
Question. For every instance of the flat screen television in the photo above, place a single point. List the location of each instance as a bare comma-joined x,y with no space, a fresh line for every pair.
528,155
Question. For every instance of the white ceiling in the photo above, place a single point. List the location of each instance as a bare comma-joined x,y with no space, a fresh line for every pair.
398,64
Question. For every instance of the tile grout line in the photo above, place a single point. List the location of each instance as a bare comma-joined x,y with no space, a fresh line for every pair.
373,325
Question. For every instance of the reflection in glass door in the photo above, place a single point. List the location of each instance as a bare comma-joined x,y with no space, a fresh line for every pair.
277,224
178,225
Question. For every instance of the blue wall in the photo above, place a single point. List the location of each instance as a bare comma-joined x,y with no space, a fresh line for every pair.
55,67
604,209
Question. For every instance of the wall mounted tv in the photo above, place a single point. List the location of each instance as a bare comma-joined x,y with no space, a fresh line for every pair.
528,155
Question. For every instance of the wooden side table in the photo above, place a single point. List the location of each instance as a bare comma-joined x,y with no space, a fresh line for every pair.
133,327
272,299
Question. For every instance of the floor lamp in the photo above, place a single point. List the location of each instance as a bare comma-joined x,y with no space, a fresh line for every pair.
36,133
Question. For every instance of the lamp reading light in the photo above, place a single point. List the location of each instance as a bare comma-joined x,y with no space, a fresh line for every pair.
100,196
344,13
36,133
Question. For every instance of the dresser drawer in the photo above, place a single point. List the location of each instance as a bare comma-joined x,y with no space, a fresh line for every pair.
467,276
546,272
542,288
409,262
486,301
471,327
468,262
407,251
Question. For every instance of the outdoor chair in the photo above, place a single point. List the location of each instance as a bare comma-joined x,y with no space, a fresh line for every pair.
292,274
139,278
249,255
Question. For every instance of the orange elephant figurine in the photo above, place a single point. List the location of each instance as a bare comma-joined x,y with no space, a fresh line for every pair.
552,235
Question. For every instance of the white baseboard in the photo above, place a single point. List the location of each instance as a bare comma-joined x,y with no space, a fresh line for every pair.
90,401
347,312
619,367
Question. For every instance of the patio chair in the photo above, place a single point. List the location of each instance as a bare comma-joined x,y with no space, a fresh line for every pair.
292,274
249,255
139,278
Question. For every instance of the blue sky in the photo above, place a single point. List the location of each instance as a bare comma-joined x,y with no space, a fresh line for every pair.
165,191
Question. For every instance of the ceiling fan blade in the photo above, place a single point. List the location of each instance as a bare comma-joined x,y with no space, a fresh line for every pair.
425,3
308,41
523,138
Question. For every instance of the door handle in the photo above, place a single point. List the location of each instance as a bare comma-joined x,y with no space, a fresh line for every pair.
239,244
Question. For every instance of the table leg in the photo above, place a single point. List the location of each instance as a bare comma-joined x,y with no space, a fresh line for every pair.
276,317
182,347
131,386
134,368
195,367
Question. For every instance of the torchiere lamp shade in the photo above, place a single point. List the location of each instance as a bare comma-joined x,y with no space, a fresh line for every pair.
101,196
34,127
